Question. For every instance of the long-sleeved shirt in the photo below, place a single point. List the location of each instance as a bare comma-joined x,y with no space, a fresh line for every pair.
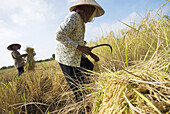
70,34
18,61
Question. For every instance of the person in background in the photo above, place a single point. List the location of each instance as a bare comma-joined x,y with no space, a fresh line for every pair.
70,47
18,58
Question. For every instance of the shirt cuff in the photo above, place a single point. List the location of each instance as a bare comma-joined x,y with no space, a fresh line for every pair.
76,45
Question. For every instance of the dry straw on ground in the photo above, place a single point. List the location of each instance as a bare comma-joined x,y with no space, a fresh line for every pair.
30,64
134,91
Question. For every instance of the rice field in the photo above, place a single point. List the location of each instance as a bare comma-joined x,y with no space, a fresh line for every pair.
134,78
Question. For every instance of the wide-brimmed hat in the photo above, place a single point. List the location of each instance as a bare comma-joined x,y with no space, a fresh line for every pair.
10,46
100,11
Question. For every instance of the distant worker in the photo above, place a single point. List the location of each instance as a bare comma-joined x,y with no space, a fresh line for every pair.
70,48
18,58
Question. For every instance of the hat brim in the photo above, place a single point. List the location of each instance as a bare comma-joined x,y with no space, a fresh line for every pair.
10,46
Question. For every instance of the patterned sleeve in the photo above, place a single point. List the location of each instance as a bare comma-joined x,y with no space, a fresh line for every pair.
65,29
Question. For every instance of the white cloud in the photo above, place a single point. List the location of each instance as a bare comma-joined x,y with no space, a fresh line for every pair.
1,22
37,5
6,33
23,11
70,1
22,18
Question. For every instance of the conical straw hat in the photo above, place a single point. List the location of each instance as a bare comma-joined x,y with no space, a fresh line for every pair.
99,11
10,46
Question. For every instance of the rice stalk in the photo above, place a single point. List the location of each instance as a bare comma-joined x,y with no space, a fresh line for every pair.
130,26
143,97
126,52
160,9
132,107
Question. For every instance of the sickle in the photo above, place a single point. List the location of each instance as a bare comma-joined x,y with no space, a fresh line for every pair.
102,45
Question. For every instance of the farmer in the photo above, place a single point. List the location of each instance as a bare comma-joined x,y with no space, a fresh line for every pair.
18,58
70,47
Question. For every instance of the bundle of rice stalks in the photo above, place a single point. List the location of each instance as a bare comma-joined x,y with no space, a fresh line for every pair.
30,65
135,91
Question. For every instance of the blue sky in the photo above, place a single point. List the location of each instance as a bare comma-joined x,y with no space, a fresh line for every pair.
34,22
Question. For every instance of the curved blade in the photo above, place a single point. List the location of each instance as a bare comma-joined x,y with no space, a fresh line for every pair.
103,45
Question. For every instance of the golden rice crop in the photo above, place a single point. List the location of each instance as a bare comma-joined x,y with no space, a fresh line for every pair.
35,92
30,64
135,91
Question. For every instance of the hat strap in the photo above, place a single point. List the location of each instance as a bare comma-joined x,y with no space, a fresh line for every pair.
90,19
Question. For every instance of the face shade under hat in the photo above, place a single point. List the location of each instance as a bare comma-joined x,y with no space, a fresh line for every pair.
94,13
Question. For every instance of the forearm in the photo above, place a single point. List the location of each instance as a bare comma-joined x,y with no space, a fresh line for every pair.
24,55
84,49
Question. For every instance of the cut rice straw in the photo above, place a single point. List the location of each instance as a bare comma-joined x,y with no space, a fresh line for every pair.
30,65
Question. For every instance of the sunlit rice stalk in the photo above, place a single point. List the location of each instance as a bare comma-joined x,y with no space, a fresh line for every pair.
130,26
126,52
149,102
167,45
132,107
160,9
